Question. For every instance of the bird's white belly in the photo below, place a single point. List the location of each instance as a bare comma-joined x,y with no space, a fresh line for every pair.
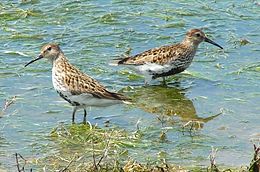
89,100
150,69
86,99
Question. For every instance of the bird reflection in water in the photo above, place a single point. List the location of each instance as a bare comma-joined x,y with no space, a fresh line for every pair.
167,102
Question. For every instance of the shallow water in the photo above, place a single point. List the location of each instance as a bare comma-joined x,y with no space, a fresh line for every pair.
92,33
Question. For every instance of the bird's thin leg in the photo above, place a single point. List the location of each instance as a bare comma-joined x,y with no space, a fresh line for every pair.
85,117
164,81
73,114
147,80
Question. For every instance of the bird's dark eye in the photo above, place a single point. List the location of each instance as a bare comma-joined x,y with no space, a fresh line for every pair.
49,48
197,34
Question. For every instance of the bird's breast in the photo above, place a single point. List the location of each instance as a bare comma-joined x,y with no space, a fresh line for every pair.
183,61
58,81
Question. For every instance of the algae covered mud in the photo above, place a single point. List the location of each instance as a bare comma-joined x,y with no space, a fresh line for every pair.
220,91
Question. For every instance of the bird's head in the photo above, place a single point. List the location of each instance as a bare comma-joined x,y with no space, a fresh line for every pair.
48,51
196,36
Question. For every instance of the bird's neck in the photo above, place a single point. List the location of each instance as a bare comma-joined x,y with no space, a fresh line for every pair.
59,72
190,44
60,69
60,60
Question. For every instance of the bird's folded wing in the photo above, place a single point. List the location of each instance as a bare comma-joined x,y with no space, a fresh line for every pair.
161,55
81,84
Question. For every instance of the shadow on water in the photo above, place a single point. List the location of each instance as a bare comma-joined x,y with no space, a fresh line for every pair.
170,101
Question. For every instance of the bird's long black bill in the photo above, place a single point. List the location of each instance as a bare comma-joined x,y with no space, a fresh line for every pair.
212,42
40,57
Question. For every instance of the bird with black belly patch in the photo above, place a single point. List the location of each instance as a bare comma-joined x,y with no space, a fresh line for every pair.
74,86
166,60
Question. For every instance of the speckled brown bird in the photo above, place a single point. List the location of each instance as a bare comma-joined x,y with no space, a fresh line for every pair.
77,88
167,60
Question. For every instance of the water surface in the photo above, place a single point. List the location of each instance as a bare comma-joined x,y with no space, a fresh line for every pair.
92,33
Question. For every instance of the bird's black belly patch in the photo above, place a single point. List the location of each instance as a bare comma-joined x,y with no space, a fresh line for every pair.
170,72
68,100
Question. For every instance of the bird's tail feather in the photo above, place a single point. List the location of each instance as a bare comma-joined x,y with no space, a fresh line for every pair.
121,97
114,62
118,61
127,102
